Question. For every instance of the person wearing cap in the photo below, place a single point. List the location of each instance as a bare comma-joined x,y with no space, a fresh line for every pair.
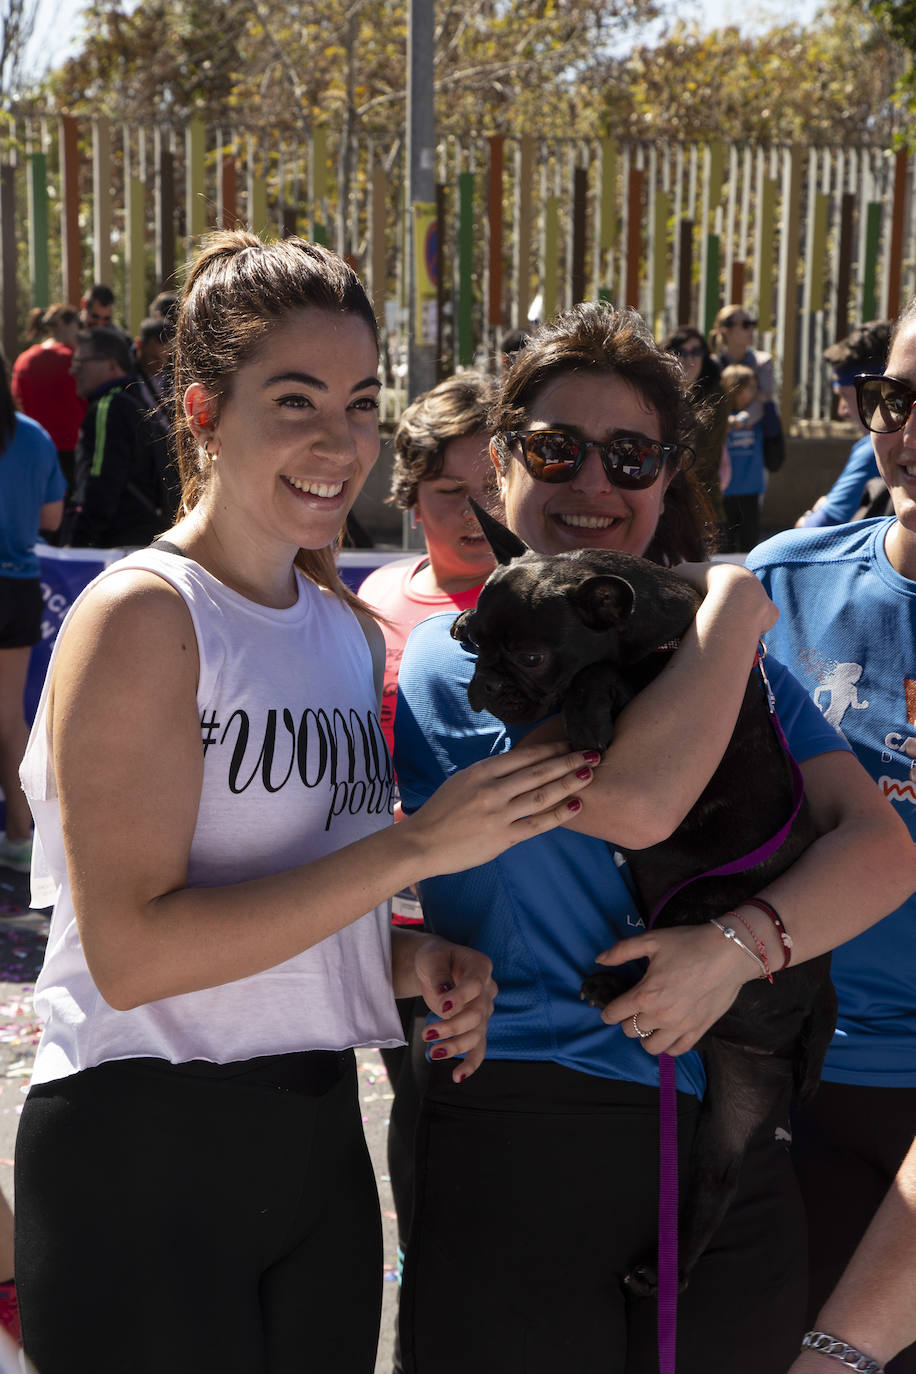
864,350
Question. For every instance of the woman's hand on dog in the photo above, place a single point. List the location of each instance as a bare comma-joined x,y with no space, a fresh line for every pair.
489,806
456,983
692,979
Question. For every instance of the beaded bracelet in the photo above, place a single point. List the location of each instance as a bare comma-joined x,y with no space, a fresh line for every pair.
729,933
832,1346
784,937
761,947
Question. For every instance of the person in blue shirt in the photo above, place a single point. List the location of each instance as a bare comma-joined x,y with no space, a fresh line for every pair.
746,478
537,1189
864,350
32,488
847,629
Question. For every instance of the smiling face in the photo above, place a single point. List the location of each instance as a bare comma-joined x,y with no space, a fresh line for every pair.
295,438
896,456
589,511
459,555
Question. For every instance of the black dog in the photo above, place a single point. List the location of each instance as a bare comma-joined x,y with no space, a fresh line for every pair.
583,632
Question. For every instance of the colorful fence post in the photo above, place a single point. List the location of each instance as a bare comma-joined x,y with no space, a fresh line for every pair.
495,235
524,231
39,268
101,202
895,257
8,258
465,269
165,211
788,292
71,257
196,207
870,274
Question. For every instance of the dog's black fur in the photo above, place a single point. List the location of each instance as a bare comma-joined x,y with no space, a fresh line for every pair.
583,632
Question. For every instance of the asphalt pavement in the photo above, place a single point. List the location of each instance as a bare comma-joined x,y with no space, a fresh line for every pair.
23,934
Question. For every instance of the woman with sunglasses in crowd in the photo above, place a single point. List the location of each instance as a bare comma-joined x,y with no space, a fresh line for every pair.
704,390
847,630
537,1189
734,334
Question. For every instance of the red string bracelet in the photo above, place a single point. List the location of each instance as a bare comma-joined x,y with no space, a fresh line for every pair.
784,937
761,947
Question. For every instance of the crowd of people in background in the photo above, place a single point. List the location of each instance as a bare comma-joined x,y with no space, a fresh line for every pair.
112,441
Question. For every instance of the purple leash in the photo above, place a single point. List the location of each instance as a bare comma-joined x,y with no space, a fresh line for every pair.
667,1107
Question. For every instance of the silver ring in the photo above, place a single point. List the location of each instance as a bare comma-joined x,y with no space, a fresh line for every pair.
643,1035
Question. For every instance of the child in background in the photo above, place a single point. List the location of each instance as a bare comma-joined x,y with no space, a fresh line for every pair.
744,484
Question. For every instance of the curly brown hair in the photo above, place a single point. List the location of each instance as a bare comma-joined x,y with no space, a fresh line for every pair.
599,338
455,408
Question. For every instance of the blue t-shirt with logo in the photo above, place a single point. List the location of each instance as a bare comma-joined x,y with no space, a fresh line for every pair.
847,630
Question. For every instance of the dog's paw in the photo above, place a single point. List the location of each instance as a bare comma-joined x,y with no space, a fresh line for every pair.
600,988
641,1281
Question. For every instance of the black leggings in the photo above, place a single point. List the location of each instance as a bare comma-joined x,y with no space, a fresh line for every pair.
199,1219
537,1189
848,1144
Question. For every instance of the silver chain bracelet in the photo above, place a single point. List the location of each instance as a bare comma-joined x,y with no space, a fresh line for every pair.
847,1354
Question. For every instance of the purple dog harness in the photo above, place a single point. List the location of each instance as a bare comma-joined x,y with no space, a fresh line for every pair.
667,1126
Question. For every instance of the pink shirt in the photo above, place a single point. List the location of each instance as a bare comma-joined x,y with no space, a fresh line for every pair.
390,590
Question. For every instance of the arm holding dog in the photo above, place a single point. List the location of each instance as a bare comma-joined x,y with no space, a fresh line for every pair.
862,866
637,797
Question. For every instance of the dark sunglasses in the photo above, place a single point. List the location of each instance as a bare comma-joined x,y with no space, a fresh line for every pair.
745,321
696,351
630,462
884,403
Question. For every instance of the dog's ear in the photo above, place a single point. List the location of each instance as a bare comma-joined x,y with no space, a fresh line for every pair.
502,541
459,628
604,601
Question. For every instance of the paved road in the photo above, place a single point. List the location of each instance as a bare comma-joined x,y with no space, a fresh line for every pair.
22,940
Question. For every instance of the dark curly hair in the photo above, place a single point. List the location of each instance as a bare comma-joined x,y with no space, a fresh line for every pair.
455,408
598,338
864,350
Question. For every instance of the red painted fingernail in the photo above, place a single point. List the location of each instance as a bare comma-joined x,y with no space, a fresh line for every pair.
438,1053
592,756
583,773
430,1033
447,1006
446,987
462,1077
574,806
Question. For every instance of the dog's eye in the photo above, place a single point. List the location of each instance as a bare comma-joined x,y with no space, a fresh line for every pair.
532,660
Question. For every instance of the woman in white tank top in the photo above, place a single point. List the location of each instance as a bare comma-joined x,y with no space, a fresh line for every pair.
212,802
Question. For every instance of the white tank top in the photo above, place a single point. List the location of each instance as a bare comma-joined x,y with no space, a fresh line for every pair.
295,766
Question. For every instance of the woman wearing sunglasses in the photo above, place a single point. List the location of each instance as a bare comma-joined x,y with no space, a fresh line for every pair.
847,629
702,374
734,333
537,1190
